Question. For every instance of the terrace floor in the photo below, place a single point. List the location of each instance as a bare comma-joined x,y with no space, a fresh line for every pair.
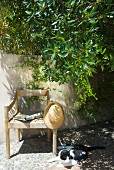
33,153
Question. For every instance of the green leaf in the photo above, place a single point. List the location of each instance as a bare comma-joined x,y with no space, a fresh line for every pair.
53,56
62,55
103,51
28,12
54,23
47,50
71,21
91,63
92,21
102,67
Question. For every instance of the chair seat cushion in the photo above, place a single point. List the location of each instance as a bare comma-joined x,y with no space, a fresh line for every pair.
27,117
19,121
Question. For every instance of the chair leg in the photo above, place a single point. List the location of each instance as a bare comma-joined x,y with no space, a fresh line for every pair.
18,135
7,133
7,143
48,135
55,141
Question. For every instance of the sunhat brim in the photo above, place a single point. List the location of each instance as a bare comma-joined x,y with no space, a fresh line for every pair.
49,108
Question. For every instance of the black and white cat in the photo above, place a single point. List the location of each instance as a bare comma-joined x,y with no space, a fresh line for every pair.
63,159
71,155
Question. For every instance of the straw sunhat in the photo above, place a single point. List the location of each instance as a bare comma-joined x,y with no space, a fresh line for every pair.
53,115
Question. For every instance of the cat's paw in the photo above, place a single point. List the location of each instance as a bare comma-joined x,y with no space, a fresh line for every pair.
60,165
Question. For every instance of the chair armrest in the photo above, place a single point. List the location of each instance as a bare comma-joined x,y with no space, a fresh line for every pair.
9,107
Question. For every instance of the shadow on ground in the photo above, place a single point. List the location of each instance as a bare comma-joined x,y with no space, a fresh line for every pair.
36,144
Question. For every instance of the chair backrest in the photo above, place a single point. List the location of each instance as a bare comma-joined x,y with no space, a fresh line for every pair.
32,93
22,105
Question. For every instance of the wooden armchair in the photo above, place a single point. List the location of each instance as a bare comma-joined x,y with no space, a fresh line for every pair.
11,122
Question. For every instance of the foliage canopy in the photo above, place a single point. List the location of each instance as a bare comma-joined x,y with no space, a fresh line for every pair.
72,38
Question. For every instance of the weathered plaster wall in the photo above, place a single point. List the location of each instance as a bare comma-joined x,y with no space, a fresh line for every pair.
11,77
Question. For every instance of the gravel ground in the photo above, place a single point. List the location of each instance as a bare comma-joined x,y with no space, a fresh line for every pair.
33,153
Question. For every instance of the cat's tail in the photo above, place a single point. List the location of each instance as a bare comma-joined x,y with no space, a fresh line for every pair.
94,148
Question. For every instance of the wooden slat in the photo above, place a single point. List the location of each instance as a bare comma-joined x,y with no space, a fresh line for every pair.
32,92
26,125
